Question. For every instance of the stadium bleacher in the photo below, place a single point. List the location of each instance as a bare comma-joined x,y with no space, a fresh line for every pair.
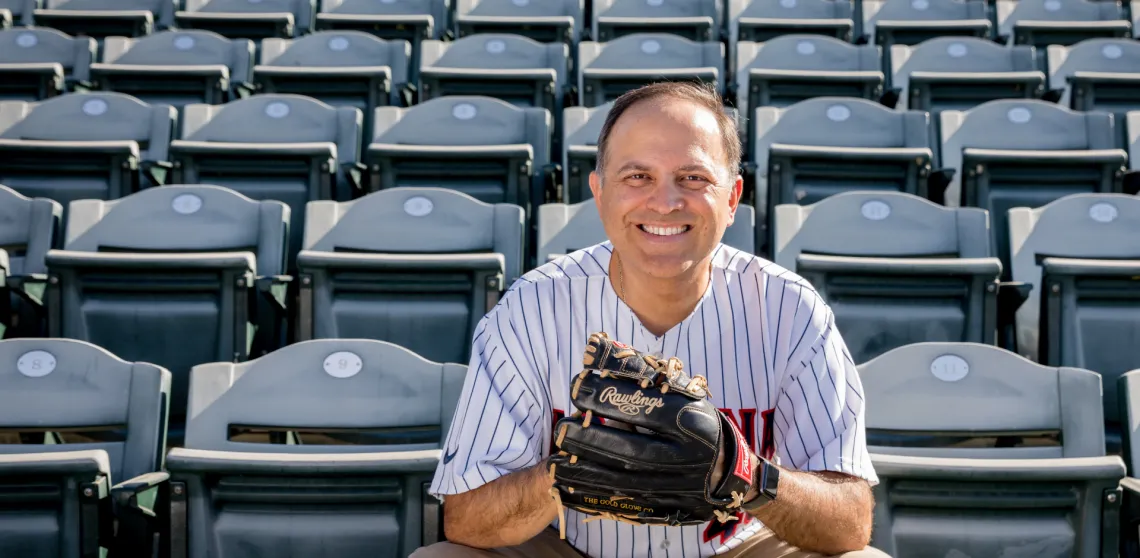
291,192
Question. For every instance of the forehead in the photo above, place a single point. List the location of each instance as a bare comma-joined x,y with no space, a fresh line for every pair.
664,126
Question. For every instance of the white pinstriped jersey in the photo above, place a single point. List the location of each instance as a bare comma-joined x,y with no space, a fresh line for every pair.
761,335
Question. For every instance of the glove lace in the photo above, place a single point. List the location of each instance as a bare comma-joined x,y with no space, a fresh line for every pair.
671,368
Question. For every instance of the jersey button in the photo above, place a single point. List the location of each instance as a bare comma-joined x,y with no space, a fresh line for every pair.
664,544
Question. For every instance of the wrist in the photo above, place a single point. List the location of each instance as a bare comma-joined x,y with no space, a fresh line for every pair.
766,477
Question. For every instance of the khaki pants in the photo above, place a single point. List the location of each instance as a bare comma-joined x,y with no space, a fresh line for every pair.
547,545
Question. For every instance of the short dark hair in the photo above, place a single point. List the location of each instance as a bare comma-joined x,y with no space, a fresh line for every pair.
702,94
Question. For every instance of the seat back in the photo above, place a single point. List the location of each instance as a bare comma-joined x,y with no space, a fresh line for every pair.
1029,433
481,146
29,228
581,127
165,275
761,20
255,20
81,146
607,70
559,21
566,228
1042,23
513,68
392,410
896,269
959,73
1080,249
62,395
104,18
1027,153
175,67
1098,74
696,20
414,266
41,63
905,22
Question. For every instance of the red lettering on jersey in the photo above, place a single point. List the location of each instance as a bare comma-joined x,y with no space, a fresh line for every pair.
768,438
725,531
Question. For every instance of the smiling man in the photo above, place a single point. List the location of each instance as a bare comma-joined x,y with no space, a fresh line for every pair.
667,186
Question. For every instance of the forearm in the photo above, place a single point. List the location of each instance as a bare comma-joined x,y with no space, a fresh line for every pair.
507,511
825,512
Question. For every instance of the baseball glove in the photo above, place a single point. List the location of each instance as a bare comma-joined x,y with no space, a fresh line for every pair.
646,445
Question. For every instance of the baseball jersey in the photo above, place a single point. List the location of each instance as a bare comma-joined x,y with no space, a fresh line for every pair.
761,335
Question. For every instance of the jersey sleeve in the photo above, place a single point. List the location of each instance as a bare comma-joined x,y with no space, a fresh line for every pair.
497,426
820,410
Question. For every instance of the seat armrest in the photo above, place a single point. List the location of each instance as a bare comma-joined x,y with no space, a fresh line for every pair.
985,267
195,461
1011,295
852,153
274,289
1075,266
125,495
309,259
204,260
29,287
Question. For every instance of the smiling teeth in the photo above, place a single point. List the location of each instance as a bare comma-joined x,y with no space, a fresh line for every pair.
664,231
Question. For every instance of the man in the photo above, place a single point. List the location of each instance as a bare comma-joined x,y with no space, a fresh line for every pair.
666,186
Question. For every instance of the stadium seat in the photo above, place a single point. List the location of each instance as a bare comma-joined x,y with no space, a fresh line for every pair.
823,146
363,422
176,275
984,453
760,20
39,63
75,419
791,68
606,70
484,147
1097,74
1080,255
176,67
1014,153
1041,23
513,68
82,146
418,267
260,19
339,68
29,228
910,22
410,20
565,228
695,20
282,147
104,18
546,21
1129,400
960,73
896,268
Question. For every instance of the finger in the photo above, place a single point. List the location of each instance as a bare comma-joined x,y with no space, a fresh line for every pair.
625,450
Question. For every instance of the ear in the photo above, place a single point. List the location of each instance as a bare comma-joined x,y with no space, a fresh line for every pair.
596,187
734,198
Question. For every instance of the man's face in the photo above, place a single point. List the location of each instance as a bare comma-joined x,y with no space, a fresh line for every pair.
666,194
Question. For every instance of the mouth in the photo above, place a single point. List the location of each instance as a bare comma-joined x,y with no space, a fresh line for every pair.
672,230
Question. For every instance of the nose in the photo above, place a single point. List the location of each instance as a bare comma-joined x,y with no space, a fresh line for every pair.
666,198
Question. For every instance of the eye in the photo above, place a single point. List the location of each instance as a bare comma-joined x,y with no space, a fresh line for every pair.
695,181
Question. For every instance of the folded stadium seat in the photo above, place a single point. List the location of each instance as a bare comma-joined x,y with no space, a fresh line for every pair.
105,18
74,420
760,20
910,22
176,275
1041,23
258,19
1097,74
363,424
579,147
565,228
960,73
791,68
82,145
542,20
984,453
275,146
896,268
29,228
410,20
606,70
1080,256
1026,153
696,20
39,63
176,67
513,68
484,147
823,146
418,267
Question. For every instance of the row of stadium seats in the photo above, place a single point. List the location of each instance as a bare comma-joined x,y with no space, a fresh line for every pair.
885,22
326,449
181,275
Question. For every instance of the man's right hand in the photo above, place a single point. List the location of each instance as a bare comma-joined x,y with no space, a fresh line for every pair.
507,511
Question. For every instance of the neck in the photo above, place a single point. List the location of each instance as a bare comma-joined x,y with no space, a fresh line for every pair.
660,303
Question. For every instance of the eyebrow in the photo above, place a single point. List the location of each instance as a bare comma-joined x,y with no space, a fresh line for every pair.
634,165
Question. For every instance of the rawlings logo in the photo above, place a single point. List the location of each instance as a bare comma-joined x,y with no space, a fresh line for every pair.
631,404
